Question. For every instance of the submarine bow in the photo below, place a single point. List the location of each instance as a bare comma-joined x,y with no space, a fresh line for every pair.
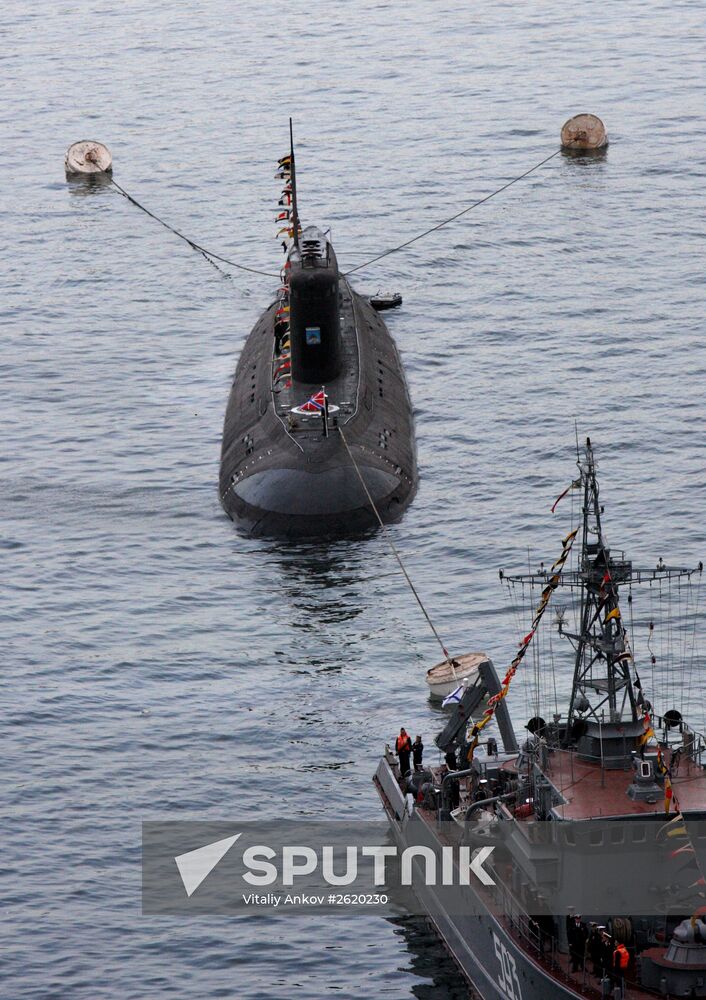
318,364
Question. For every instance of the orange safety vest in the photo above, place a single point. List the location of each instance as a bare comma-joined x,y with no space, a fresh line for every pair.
623,957
403,743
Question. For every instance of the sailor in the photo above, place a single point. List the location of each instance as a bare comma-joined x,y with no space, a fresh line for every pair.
417,753
403,748
594,950
482,792
607,946
450,758
577,934
547,931
621,961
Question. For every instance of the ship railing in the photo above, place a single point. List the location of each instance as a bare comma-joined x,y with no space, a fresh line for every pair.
680,738
545,947
675,735
539,941
526,927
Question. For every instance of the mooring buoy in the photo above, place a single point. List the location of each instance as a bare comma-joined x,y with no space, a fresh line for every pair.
584,132
88,157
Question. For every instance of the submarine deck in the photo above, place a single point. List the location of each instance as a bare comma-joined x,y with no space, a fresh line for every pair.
344,391
280,475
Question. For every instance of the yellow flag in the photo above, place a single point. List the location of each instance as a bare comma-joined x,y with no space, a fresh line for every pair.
679,831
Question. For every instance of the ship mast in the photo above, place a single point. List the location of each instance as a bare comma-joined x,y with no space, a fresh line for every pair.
295,211
606,708
602,687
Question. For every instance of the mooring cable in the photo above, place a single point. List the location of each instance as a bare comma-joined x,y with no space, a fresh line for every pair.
210,255
452,218
396,554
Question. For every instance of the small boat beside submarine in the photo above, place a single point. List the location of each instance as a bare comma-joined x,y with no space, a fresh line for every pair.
318,431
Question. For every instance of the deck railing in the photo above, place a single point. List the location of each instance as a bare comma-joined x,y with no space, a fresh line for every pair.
544,947
680,735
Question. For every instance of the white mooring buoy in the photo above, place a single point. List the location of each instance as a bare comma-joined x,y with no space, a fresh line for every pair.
584,132
88,157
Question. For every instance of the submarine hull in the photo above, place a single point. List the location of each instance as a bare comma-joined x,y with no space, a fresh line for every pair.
280,476
329,503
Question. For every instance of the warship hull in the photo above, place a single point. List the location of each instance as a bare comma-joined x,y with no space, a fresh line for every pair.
489,950
612,758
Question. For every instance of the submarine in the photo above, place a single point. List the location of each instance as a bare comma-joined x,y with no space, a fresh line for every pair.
318,437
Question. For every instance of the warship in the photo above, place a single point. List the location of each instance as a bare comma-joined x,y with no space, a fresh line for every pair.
318,438
609,758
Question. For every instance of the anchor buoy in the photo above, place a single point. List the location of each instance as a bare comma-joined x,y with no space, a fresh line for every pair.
584,132
88,157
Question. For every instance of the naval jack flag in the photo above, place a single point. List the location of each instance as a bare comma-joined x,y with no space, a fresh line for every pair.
454,698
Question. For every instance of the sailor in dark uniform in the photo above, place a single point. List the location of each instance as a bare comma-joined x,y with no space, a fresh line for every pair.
577,935
417,753
594,949
608,948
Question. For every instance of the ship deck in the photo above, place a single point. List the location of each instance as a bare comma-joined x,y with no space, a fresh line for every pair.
554,962
592,792
541,949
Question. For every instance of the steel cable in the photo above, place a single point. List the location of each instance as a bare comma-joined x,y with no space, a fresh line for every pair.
210,255
458,215
396,554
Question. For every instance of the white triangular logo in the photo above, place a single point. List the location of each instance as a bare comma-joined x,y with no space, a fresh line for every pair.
194,866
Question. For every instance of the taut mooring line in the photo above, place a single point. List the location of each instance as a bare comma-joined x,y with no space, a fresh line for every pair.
396,554
458,215
204,251
211,256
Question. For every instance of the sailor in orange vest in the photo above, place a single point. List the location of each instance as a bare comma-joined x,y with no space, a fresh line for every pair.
621,961
403,748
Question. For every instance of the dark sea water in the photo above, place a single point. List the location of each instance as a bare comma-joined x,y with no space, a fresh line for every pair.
157,665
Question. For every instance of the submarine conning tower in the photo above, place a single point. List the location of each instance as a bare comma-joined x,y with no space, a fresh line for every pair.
314,310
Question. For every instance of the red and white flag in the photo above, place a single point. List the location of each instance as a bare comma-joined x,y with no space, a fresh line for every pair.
316,403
